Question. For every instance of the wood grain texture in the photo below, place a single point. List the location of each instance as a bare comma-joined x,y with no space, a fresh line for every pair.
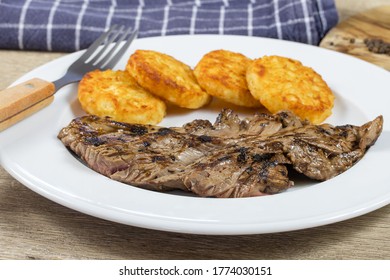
21,115
348,8
349,35
23,100
22,96
33,227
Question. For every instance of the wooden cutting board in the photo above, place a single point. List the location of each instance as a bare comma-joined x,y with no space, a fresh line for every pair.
356,34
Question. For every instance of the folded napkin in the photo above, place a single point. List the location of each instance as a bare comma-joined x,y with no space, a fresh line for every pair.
71,25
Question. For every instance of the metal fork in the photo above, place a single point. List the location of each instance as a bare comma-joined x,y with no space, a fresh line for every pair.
20,101
103,59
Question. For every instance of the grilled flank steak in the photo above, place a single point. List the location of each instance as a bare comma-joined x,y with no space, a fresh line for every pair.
231,158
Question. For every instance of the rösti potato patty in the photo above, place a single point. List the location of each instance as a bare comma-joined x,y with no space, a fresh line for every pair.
221,73
167,78
117,95
281,83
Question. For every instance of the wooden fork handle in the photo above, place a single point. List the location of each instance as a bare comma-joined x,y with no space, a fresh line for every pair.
20,101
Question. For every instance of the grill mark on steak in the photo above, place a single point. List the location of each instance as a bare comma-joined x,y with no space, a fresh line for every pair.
234,177
231,158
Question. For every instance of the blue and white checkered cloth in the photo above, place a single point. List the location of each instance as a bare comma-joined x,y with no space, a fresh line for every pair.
70,25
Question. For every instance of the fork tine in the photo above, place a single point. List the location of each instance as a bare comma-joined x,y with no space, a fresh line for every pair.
110,61
95,59
97,43
83,64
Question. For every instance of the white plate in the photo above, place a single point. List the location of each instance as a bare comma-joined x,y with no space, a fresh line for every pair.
31,152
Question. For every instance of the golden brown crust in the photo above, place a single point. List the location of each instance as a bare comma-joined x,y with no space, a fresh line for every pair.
117,95
167,78
221,73
281,83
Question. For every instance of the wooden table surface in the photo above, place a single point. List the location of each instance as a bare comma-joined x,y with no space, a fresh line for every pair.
33,227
